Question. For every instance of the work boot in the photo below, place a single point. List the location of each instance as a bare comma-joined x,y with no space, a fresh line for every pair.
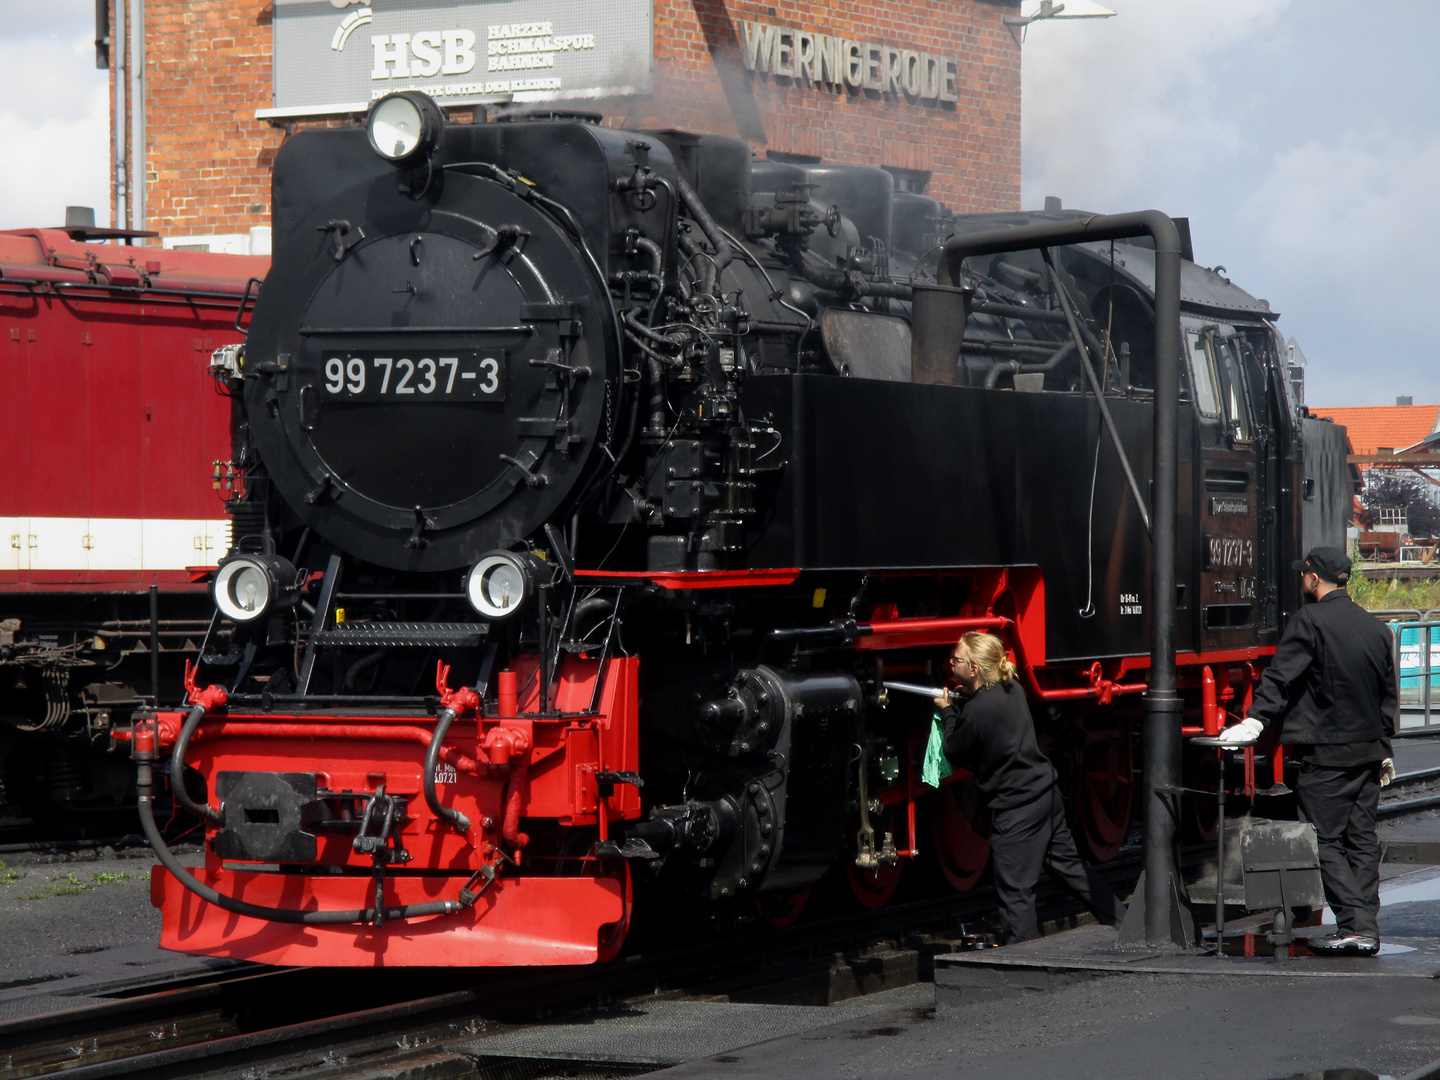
1344,944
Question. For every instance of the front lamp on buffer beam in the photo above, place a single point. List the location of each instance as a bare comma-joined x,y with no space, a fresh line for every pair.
249,587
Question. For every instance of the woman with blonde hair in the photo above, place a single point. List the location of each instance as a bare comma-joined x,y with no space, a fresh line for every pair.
992,734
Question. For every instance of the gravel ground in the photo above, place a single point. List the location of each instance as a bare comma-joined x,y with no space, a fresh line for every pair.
1133,1026
78,924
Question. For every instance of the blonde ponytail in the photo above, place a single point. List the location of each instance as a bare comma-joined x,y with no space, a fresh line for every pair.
989,655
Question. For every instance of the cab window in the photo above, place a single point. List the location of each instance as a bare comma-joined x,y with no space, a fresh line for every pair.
1202,367
1234,397
1220,385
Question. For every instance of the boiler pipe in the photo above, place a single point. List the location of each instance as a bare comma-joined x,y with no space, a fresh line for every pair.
1162,706
724,253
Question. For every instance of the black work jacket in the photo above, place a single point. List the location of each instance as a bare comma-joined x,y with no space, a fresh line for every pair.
1332,679
993,735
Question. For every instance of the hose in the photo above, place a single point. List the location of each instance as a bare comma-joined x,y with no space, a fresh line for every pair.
443,720
144,781
432,752
177,770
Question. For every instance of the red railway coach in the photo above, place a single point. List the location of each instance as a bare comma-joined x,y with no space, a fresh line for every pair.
110,431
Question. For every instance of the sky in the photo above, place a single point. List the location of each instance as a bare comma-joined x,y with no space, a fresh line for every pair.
1301,138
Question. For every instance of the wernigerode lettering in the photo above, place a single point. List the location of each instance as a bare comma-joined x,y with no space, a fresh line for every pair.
824,60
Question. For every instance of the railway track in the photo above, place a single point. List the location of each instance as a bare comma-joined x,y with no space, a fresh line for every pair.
303,1022
318,1022
1411,793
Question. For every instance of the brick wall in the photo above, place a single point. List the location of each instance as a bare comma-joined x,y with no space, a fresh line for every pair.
971,148
208,70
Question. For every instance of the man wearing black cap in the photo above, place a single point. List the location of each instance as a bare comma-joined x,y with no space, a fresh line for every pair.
1332,686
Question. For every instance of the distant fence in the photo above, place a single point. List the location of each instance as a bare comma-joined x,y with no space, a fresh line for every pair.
1417,659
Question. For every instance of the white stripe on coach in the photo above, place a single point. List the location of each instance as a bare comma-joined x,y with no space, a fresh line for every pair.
103,544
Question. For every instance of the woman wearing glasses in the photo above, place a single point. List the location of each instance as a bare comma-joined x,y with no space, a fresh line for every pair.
992,734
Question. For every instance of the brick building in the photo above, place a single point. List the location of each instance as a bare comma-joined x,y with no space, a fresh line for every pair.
932,92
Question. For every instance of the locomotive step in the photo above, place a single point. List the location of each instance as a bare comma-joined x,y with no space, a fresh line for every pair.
405,634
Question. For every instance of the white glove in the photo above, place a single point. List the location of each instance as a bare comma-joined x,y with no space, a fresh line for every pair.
1243,733
1387,771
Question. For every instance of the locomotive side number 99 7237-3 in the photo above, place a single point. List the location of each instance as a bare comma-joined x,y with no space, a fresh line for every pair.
433,378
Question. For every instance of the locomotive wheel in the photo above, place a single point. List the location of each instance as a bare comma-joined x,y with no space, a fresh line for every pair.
874,888
612,935
961,827
1105,794
581,842
783,909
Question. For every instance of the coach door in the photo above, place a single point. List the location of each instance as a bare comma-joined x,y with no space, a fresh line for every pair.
1236,510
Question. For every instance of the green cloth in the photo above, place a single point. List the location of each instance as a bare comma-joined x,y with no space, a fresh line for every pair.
936,766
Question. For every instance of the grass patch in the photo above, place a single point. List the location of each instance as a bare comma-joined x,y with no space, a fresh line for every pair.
8,876
1395,595
69,885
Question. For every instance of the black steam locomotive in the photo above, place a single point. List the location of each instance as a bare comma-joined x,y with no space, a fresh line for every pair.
598,485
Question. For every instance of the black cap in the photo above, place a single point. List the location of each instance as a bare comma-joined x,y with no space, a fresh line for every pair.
1331,563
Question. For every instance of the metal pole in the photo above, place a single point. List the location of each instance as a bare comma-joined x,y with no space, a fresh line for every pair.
137,113
1161,707
1426,673
155,643
1162,710
1220,859
122,68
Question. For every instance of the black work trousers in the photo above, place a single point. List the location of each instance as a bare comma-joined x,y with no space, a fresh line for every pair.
1025,839
1342,804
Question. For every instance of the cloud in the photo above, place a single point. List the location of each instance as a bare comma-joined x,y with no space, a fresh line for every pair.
54,126
1343,229
41,20
1295,139
1115,109
1361,209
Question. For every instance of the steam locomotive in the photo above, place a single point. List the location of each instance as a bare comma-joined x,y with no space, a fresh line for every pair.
596,487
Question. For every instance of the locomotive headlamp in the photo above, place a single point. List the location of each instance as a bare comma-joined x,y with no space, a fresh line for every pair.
250,586
405,127
501,583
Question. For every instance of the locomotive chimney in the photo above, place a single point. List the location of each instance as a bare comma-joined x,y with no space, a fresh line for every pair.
937,320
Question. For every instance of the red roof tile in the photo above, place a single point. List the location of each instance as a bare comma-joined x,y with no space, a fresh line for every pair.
1371,427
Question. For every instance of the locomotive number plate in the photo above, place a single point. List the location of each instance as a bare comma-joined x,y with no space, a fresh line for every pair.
1224,552
444,375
